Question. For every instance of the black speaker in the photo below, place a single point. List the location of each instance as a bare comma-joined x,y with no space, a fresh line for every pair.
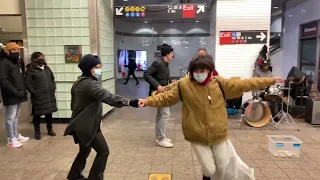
313,112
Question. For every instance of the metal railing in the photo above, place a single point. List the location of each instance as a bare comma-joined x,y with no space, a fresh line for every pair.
183,71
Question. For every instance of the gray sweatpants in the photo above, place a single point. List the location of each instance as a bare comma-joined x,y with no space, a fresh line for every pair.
163,114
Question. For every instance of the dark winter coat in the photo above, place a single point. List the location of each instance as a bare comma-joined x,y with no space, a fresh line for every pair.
86,97
41,85
157,74
11,82
132,65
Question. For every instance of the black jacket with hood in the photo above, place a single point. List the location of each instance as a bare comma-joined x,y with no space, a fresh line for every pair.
12,82
41,85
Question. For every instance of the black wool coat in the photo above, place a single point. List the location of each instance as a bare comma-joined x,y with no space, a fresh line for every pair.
86,97
41,85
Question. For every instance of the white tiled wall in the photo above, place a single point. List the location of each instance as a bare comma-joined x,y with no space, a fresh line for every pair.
184,47
51,25
107,47
232,15
303,13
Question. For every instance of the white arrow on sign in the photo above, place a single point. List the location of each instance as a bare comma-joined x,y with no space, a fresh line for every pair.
119,11
200,9
262,36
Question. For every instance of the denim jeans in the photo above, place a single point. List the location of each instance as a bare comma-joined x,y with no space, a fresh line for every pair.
12,114
163,114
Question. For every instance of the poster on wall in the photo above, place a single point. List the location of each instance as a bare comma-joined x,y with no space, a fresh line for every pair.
139,57
72,53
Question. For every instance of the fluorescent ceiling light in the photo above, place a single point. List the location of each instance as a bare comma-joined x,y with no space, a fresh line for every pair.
197,21
171,21
146,22
275,7
290,15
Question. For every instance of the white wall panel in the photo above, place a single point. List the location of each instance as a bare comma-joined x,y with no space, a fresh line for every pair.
294,17
232,15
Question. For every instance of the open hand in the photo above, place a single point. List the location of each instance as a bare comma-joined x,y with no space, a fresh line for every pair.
160,88
278,80
141,102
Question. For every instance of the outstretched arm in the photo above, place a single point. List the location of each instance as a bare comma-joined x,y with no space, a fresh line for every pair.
165,99
103,95
233,88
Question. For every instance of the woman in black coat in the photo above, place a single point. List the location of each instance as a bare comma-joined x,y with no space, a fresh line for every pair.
86,97
39,81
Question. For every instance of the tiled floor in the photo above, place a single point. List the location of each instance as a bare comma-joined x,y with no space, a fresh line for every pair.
134,154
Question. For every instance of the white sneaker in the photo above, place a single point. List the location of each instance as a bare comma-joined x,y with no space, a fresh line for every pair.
22,138
164,144
165,139
14,143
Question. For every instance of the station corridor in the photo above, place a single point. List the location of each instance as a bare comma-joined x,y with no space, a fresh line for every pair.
134,153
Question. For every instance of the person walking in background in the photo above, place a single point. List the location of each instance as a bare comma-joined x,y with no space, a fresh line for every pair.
3,54
203,52
86,97
39,81
158,75
132,66
204,117
13,93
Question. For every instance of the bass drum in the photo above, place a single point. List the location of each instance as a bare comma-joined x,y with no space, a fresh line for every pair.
257,114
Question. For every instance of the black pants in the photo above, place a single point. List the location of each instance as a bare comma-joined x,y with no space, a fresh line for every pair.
36,122
134,76
100,145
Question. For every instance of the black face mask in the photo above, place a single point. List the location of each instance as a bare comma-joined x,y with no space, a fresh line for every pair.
40,61
13,56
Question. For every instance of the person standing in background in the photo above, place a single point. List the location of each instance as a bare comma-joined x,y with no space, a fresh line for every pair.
3,54
203,52
13,93
132,66
158,75
39,80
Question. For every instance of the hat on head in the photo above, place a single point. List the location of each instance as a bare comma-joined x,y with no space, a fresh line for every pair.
88,62
264,62
166,49
11,45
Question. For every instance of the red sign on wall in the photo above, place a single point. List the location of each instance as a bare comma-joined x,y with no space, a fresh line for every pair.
189,11
226,38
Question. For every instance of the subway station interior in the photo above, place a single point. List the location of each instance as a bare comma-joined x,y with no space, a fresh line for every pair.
270,133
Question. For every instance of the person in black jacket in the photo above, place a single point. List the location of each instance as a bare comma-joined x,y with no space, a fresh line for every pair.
86,97
132,66
158,75
39,81
13,92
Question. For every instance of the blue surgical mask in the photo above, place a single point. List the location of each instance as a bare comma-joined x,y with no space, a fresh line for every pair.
97,72
200,77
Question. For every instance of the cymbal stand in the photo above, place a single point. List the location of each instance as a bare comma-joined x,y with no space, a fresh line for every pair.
285,116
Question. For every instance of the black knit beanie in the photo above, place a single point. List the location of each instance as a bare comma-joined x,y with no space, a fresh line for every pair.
166,49
88,62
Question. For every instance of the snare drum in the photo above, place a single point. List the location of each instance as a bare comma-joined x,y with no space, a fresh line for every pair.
273,93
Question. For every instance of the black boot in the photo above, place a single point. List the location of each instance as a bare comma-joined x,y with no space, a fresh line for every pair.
49,125
37,135
51,132
206,178
36,124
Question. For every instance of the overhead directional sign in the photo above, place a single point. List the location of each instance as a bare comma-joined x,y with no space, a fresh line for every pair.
244,37
162,11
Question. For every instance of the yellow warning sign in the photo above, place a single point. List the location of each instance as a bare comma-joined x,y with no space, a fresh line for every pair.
160,177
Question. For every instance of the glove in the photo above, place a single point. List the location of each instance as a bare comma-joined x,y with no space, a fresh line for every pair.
134,103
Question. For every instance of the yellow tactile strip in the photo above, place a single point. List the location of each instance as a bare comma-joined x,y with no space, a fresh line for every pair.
160,177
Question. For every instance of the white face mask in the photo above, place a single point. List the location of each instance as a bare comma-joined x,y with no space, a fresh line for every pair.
97,73
200,77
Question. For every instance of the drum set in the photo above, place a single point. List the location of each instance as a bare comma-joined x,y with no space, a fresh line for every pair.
257,112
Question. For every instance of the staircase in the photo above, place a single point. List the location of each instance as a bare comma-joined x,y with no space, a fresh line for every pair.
275,43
